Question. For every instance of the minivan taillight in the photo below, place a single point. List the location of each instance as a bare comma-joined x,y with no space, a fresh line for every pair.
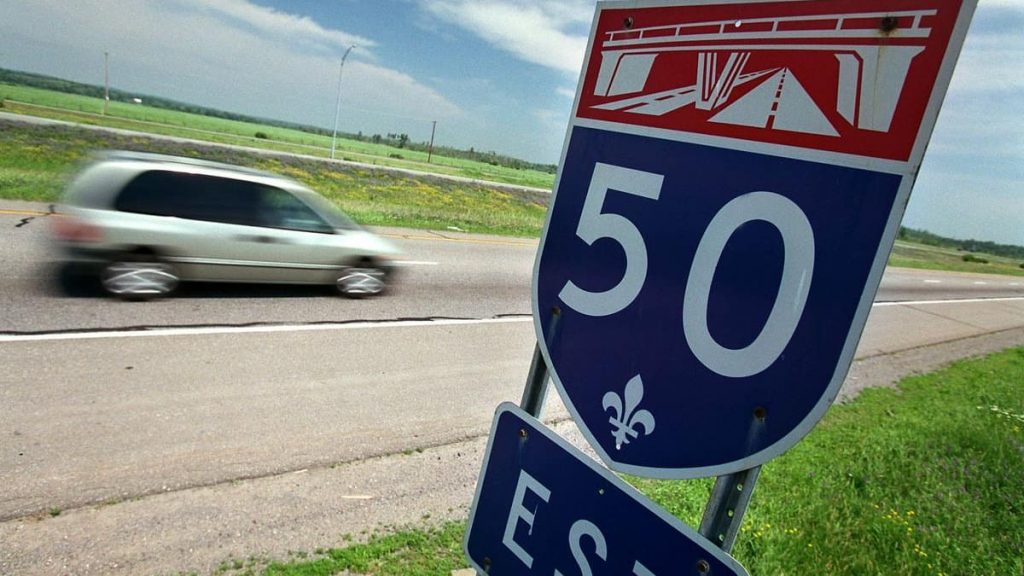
71,229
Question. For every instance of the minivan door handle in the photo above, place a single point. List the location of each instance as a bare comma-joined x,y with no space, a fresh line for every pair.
258,238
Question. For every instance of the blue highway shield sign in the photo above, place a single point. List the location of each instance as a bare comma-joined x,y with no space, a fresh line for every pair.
542,507
723,214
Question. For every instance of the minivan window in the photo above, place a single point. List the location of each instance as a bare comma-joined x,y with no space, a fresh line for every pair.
281,209
190,196
328,211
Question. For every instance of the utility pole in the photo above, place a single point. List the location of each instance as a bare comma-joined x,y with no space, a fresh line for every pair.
106,81
337,107
430,149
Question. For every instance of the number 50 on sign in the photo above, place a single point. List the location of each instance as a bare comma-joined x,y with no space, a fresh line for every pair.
710,292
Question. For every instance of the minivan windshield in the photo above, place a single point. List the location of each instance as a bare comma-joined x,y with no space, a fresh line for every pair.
331,213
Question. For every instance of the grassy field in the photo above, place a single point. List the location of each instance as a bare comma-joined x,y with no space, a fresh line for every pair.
36,161
129,116
913,255
926,479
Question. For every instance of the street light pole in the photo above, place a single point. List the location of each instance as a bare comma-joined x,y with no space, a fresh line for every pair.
106,81
337,107
430,150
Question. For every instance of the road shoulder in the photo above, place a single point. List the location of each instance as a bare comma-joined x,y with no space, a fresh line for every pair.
198,529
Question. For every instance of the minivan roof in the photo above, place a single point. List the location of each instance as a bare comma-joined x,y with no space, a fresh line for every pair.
150,157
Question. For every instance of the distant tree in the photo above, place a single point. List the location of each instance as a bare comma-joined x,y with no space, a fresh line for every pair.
969,245
393,139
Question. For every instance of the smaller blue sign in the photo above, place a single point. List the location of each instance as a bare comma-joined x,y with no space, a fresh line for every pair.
542,507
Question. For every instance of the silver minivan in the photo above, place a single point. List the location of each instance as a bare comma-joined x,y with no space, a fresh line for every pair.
144,222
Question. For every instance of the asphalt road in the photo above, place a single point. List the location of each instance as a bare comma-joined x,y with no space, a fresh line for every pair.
444,275
451,276
262,383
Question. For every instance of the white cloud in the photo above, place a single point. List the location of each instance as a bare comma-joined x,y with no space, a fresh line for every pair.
967,206
1014,4
990,61
569,93
544,33
276,25
227,54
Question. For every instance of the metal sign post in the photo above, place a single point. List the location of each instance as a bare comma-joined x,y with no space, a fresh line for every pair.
729,498
536,389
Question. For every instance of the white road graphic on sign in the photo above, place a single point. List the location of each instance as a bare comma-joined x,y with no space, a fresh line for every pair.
780,103
664,102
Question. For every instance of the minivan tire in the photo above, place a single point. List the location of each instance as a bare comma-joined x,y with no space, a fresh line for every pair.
138,277
362,280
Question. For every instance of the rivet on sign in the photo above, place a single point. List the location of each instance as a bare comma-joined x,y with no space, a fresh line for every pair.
523,433
760,413
627,22
556,311
487,564
889,23
703,567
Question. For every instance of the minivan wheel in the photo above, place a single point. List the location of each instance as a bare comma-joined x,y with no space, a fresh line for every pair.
141,279
361,281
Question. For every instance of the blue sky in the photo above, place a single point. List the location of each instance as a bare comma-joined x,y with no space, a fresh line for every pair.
495,74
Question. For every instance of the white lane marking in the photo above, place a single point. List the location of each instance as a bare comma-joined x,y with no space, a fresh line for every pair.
980,283
933,281
1014,283
213,330
415,263
964,301
256,329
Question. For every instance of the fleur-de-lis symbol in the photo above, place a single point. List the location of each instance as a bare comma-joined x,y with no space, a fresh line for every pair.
627,418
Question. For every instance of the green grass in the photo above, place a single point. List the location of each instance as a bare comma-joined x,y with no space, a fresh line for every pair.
429,551
913,255
139,117
927,479
36,161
